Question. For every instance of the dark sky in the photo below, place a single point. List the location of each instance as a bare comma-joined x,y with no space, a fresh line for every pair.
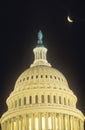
20,22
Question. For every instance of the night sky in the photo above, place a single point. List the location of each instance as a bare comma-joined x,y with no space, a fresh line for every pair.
20,22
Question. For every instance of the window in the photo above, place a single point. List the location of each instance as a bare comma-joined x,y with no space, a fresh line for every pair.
46,76
55,77
42,98
48,98
36,76
31,77
58,78
30,100
54,99
36,99
24,100
27,78
59,99
51,76
41,76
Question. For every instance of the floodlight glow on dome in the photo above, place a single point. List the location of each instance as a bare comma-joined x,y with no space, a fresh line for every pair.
42,99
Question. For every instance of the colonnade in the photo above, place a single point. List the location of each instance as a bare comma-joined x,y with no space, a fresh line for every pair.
43,121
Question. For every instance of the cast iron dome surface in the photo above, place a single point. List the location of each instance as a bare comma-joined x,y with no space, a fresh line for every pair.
41,75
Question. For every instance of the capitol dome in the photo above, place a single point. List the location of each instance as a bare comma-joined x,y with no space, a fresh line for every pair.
42,99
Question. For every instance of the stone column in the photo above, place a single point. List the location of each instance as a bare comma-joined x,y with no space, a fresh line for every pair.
4,126
8,125
12,124
27,122
17,123
32,122
39,121
60,122
22,123
66,122
78,124
46,121
25,125
81,125
54,128
57,122
71,122
52,121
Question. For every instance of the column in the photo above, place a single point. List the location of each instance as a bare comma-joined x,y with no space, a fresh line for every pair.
81,125
60,122
24,122
4,124
12,124
53,120
46,121
17,123
66,122
32,122
50,121
27,122
71,122
57,122
8,125
39,121
54,128
78,124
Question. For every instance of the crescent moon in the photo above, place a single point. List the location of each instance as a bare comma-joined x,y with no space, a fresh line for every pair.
69,19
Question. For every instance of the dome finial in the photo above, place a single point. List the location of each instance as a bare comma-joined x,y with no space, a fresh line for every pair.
40,37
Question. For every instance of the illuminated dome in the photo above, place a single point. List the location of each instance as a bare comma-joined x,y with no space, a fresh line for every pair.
42,99
36,76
